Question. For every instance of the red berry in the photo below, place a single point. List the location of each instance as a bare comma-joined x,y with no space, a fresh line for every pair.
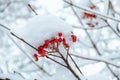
88,15
40,48
46,45
35,56
47,41
39,52
60,34
43,54
60,39
74,38
56,40
66,45
52,41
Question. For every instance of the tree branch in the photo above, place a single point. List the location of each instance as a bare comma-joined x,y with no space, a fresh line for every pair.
96,59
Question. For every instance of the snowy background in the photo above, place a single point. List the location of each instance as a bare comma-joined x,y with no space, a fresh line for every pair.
97,51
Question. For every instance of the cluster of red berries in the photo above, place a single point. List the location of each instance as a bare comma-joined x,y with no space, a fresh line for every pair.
90,16
52,42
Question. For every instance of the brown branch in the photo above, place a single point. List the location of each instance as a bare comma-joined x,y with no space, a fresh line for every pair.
23,41
56,61
32,9
4,79
54,55
75,63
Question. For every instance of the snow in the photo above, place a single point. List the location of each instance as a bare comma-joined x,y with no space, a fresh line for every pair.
40,28
11,76
98,77
57,5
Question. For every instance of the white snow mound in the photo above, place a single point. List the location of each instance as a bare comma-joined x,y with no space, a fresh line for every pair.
40,28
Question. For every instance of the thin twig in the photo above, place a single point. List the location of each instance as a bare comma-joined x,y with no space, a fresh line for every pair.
56,61
23,41
54,55
32,9
75,64
3,26
95,59
101,27
19,74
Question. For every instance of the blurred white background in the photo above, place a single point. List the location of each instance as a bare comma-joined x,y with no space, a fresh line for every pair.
100,45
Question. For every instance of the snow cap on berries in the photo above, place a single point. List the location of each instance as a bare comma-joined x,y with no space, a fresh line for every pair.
40,28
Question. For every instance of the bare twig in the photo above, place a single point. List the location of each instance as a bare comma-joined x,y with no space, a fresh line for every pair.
3,26
68,54
19,74
32,9
23,40
54,55
101,27
96,59
56,61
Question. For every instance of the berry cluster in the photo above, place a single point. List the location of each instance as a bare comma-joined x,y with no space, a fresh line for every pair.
59,39
90,16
